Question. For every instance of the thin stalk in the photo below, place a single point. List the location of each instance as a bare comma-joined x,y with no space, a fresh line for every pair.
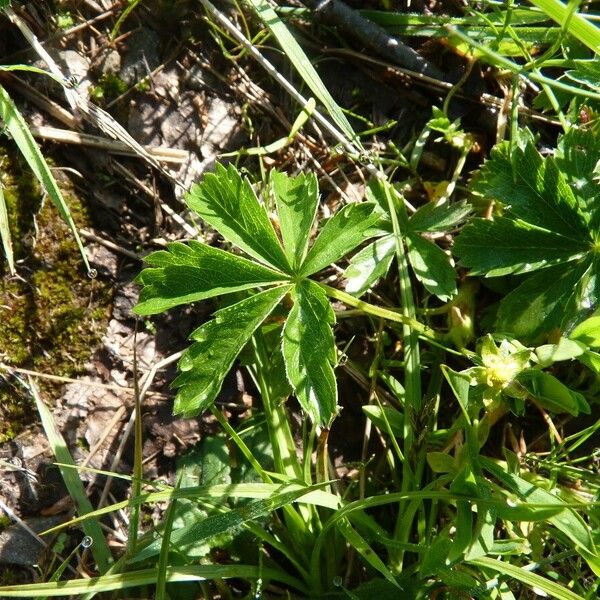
412,368
377,311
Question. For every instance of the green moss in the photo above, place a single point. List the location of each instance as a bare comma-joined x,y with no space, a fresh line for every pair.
110,86
51,315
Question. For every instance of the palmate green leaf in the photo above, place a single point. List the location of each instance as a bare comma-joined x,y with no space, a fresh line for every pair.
431,266
369,265
577,156
547,225
443,217
309,352
504,246
190,272
547,300
296,199
531,189
216,345
229,204
341,234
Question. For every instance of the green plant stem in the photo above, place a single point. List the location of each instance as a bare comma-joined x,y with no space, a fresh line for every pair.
411,474
377,311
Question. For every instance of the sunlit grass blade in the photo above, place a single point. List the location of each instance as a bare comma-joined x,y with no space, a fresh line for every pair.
5,233
586,32
17,127
303,65
107,583
362,547
91,527
554,590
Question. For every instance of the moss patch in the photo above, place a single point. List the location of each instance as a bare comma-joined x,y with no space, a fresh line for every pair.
51,314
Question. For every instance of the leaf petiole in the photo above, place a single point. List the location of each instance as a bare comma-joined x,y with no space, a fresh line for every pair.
384,313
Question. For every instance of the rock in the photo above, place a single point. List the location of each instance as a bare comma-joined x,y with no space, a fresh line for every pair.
79,67
110,62
18,547
141,56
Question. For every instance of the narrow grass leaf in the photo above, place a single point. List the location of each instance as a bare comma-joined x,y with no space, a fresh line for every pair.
231,520
174,574
357,542
5,233
577,25
228,203
194,271
303,65
369,265
91,527
567,520
432,266
554,590
309,351
17,127
342,233
296,199
216,345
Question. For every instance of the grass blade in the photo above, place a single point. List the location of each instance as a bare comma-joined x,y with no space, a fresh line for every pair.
17,127
91,527
107,583
302,64
554,590
587,33
5,233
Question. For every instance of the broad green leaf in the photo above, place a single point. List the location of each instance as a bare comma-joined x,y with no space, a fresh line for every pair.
441,462
432,267
531,189
565,349
370,264
216,345
577,155
303,65
5,233
296,199
539,304
309,352
550,392
19,131
228,203
430,217
588,332
504,246
190,272
460,384
341,234
385,418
